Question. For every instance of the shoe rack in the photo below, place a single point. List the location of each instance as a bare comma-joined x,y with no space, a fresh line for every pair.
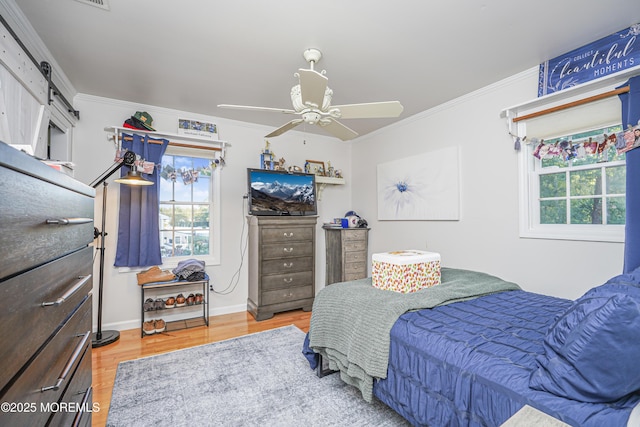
174,305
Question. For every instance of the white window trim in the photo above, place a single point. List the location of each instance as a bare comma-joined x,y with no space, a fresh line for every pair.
215,212
530,226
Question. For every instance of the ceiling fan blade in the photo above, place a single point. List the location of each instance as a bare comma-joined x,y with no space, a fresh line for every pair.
246,107
312,87
337,129
284,128
369,110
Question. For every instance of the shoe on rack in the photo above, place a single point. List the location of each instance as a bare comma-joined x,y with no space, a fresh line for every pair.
159,304
199,299
170,302
180,300
148,305
191,299
149,327
159,326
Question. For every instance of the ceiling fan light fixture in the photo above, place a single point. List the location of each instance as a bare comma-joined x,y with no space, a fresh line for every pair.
311,117
311,99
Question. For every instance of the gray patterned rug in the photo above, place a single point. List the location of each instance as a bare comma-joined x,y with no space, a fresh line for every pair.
255,380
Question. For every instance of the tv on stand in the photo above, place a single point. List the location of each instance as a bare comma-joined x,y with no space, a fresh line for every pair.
278,192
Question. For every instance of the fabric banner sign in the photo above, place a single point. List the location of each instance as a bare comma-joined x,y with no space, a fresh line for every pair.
609,55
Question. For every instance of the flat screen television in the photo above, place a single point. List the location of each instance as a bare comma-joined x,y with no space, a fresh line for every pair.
281,193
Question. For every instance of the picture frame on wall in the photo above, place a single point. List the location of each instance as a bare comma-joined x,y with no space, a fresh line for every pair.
315,167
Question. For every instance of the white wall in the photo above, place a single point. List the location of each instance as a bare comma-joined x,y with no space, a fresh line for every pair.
486,236
93,153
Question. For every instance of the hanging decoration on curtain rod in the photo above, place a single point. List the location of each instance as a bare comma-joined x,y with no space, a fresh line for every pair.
189,175
622,141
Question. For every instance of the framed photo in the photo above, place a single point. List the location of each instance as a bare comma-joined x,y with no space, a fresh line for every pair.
315,167
197,128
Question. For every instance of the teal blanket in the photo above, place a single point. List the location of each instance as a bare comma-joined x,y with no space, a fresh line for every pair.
351,321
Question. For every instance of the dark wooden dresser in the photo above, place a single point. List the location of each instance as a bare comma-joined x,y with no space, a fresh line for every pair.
347,253
281,264
45,294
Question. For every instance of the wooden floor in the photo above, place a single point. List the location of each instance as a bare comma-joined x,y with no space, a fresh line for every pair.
132,346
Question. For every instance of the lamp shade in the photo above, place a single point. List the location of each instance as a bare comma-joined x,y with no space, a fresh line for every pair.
133,178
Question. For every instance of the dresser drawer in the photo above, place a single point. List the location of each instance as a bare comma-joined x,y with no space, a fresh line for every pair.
352,235
50,372
78,396
355,245
24,321
286,234
287,250
354,275
355,257
288,265
26,237
358,268
286,295
278,281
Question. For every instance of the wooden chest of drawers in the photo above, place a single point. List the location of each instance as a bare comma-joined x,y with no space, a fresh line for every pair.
281,264
347,254
45,293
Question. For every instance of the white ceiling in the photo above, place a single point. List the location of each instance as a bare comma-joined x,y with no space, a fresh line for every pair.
192,55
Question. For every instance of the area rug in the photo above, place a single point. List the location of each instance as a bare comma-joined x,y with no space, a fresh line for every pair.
260,379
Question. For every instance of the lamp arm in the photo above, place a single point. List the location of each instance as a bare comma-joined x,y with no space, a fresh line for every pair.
106,174
128,159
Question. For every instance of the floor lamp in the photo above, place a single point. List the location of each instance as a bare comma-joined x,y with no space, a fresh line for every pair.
133,177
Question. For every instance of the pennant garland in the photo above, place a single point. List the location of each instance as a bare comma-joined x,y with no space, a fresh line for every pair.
622,141
190,176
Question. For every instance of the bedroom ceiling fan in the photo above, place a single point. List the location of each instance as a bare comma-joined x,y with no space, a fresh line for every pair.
311,100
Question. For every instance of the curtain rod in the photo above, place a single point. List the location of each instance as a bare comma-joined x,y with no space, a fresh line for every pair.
175,144
593,98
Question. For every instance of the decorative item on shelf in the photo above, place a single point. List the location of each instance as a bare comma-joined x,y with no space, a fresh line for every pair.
266,157
141,120
315,167
280,164
331,171
197,128
295,168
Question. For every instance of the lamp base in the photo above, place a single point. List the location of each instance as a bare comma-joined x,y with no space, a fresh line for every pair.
107,338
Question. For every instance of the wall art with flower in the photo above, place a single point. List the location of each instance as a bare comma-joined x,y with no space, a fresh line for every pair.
421,187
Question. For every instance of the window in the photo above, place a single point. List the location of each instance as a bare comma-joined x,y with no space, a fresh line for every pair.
189,207
576,187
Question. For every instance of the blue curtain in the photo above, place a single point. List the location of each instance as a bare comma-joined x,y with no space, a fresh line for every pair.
630,117
138,225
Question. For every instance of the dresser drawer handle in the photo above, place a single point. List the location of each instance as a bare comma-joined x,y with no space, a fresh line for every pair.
288,279
81,281
68,221
285,234
288,250
72,361
84,404
287,265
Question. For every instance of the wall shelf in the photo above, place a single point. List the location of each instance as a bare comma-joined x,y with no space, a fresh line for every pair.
323,181
174,138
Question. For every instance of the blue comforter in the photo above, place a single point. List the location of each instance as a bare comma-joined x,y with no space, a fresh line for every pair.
469,363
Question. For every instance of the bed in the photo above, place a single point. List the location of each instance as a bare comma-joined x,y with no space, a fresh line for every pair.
475,350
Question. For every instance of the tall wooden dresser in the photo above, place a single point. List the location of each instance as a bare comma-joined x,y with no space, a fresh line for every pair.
281,264
45,294
347,253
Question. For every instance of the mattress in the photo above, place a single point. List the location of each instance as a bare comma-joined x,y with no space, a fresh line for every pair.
469,363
